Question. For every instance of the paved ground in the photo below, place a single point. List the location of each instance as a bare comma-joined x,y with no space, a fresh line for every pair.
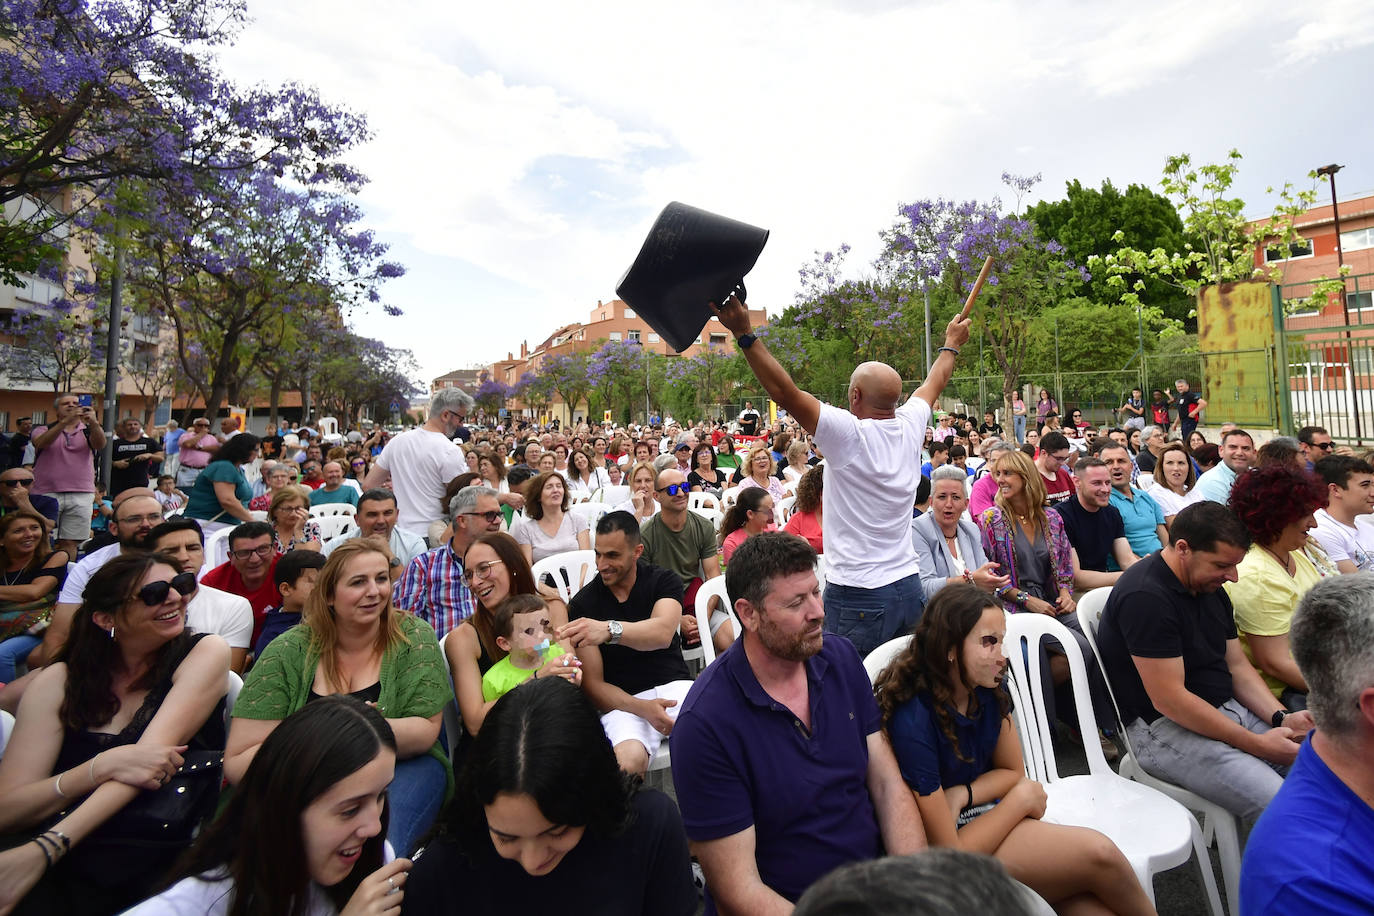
1178,892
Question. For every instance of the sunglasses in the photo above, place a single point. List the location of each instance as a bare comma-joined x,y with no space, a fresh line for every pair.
491,517
673,489
1324,446
28,482
154,593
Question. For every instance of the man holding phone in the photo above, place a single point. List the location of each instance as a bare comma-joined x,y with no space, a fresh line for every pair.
64,467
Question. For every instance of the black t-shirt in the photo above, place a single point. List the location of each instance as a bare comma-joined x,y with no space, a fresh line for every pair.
136,474
749,422
16,443
1183,406
629,669
271,446
645,871
1150,614
990,429
1091,533
1145,461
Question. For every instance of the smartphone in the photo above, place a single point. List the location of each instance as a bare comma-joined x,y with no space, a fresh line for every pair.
84,400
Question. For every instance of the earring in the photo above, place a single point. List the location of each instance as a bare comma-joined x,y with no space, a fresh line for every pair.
112,636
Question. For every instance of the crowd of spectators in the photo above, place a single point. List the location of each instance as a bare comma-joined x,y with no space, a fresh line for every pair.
418,704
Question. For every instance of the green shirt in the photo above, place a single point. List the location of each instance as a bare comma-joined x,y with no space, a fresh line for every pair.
202,503
679,551
504,676
344,494
413,679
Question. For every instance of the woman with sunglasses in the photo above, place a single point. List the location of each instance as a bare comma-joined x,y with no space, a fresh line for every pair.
352,640
29,582
99,732
752,513
549,528
495,569
358,468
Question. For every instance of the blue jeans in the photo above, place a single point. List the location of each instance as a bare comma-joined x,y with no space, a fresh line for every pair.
1019,428
416,793
13,651
869,617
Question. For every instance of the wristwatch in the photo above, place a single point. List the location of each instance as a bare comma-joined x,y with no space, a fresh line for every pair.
746,341
616,629
1277,718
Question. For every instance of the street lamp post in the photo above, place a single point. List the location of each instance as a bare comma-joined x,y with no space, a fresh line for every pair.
1330,172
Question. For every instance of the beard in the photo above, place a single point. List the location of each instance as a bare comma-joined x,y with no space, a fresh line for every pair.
792,647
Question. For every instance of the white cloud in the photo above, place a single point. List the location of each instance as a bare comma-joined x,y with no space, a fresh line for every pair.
537,141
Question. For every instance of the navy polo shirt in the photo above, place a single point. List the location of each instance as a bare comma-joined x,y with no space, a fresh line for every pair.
741,759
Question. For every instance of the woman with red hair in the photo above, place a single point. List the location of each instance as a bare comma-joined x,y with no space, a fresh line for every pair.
1276,504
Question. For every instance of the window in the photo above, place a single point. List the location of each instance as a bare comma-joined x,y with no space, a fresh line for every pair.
1359,302
630,313
603,316
1301,248
717,340
634,335
698,340
614,335
1356,239
653,338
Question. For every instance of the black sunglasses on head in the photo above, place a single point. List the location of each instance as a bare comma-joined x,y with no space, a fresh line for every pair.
154,593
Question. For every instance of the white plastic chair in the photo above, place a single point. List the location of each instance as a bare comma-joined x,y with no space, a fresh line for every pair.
714,516
1153,831
568,571
728,498
882,656
328,510
216,549
782,511
592,512
820,568
6,728
705,650
613,496
231,694
713,589
452,716
335,526
700,500
1217,822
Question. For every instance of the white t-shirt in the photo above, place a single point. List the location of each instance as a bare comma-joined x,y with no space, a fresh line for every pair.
421,464
81,573
1170,503
872,470
213,611
1345,542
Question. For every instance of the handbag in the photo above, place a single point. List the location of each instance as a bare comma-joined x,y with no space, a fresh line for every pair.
17,618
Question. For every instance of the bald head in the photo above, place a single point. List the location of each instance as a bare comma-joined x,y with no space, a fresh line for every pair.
874,390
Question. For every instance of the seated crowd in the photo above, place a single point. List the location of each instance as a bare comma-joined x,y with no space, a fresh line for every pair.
474,680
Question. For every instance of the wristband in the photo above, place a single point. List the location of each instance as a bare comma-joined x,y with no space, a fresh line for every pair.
947,350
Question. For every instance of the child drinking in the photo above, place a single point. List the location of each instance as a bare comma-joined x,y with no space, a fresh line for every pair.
521,627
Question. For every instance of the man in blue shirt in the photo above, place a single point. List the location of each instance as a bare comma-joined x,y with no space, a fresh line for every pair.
1237,454
1140,514
781,766
1312,851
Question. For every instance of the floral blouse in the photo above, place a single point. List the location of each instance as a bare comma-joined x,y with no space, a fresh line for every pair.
999,543
311,535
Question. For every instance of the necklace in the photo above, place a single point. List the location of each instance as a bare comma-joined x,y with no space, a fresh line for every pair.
5,577
1285,562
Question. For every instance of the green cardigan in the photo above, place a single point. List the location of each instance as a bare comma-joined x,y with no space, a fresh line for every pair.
413,679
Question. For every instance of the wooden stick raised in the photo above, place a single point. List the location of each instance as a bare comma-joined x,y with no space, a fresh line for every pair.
977,287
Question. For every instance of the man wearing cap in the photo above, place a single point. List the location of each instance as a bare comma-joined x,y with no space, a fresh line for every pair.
873,583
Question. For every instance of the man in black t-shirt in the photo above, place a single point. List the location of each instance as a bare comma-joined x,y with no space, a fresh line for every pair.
270,444
1196,712
624,626
990,426
1188,407
135,455
1094,526
748,420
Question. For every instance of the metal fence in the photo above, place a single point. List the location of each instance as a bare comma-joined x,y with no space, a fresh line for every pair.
1327,366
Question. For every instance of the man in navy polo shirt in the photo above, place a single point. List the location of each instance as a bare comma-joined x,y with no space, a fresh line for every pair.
781,767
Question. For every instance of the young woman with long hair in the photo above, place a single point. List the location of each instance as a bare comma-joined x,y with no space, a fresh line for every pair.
549,528
30,578
949,719
544,812
752,513
304,833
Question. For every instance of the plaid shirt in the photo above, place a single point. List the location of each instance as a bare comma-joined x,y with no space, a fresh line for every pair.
433,590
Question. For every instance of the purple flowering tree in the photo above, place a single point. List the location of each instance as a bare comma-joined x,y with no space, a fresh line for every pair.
491,395
619,372
705,380
567,378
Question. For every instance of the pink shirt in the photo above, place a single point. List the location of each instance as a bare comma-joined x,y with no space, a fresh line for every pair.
66,466
806,525
195,458
982,495
734,539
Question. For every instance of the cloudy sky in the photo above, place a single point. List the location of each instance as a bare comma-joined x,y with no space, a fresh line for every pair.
522,150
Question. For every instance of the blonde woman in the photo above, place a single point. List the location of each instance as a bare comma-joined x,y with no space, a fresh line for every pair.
352,640
641,503
758,471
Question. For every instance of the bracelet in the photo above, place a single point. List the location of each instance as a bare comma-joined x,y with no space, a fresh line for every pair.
969,786
65,840
46,854
57,786
968,577
1022,598
94,784
947,350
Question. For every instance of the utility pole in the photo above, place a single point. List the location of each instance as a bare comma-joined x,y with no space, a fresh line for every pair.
1330,172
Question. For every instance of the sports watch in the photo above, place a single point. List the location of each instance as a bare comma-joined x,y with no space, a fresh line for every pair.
746,341
1277,718
616,629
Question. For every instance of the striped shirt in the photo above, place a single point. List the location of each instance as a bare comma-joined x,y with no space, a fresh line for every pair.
433,589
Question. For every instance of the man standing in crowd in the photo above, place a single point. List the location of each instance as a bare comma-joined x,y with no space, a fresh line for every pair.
434,586
781,766
134,457
1131,413
420,463
1314,443
872,450
16,492
1237,454
1094,527
1350,494
748,420
1197,714
208,610
624,626
248,572
64,468
1312,851
376,518
679,540
1188,408
197,449
1055,452
171,449
334,490
19,440
1142,516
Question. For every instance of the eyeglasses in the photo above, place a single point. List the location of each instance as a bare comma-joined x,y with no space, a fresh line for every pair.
491,517
154,593
151,518
673,489
1060,458
245,553
24,482
481,571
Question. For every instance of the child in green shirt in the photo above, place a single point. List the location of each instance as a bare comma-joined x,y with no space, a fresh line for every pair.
521,627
